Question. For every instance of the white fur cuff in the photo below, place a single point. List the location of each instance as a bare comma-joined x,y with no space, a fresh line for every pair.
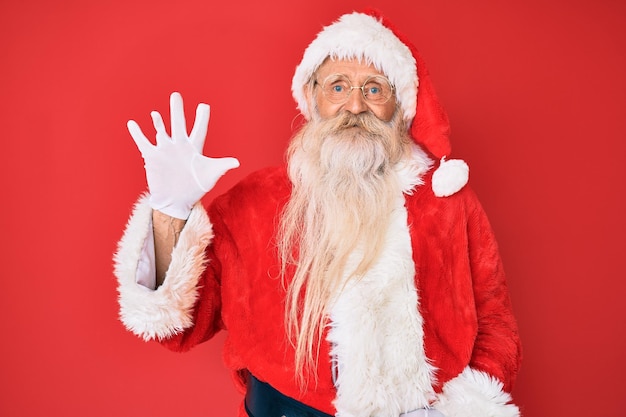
160,313
475,394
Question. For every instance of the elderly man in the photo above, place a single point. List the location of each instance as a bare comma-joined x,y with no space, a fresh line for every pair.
362,279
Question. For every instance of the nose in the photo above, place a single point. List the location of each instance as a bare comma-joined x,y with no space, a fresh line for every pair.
356,103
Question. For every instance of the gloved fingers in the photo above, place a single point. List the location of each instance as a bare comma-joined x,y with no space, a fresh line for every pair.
159,126
200,126
177,114
142,142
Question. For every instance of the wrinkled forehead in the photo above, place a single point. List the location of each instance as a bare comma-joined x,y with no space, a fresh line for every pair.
356,69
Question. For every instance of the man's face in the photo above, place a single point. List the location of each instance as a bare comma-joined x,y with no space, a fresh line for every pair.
357,73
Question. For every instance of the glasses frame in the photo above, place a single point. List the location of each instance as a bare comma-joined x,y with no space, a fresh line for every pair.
323,84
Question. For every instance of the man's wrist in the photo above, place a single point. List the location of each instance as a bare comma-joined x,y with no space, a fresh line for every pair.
158,217
167,230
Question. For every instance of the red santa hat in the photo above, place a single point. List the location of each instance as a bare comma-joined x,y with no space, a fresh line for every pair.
370,37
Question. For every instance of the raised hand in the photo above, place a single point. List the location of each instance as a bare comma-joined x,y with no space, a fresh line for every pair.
178,174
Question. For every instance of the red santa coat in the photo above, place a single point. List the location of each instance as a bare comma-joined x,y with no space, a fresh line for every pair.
225,276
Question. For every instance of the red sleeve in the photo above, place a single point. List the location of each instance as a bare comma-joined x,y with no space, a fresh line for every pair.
497,349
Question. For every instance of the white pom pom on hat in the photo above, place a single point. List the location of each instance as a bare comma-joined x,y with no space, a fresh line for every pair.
450,177
370,37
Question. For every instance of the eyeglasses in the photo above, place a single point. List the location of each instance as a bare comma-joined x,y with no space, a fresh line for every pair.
376,89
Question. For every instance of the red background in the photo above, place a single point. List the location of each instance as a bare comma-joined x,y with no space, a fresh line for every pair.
536,95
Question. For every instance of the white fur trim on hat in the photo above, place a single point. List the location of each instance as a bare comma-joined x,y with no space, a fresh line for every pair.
361,36
450,177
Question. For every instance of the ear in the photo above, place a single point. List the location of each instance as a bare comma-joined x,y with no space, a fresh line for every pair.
309,96
308,92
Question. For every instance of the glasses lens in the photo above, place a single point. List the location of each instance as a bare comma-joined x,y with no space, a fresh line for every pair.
377,90
336,88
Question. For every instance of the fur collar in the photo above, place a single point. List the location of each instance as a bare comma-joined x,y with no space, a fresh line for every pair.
411,170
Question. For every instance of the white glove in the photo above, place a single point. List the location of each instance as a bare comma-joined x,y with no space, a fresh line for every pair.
178,174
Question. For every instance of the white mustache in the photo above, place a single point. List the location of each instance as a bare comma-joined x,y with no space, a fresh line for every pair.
368,123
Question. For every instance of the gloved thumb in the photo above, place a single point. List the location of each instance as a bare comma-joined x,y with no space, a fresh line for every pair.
208,170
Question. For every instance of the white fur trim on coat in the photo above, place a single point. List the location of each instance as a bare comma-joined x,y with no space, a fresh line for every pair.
411,170
376,334
475,394
361,36
160,313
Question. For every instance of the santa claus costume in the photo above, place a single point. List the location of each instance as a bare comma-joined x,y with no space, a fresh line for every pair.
429,326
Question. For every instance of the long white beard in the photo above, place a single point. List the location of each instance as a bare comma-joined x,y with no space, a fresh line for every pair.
354,263
343,178
344,189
